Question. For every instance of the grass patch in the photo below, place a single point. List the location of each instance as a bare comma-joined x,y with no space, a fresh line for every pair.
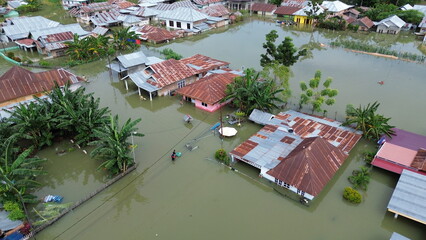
53,10
360,46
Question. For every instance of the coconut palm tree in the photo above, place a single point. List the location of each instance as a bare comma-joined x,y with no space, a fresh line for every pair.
112,145
18,172
360,178
124,39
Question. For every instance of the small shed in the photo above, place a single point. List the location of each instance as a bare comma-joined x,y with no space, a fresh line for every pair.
409,197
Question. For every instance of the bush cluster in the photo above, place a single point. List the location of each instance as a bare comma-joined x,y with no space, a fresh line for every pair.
352,195
15,211
222,156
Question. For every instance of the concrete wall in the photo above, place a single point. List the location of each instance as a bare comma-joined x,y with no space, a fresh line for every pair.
167,89
391,30
183,25
209,108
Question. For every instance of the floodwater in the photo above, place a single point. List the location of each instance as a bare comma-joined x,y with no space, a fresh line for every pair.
198,198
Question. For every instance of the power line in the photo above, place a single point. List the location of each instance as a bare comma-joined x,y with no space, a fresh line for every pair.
140,174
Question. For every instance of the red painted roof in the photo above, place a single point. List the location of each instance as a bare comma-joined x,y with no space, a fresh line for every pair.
204,63
26,42
310,165
20,82
396,154
210,89
170,71
393,167
263,7
287,10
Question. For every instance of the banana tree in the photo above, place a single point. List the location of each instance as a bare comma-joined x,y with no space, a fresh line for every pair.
112,145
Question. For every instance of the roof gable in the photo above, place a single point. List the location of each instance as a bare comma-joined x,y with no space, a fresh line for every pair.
183,14
335,6
169,72
393,20
310,165
263,7
201,63
215,10
19,82
210,89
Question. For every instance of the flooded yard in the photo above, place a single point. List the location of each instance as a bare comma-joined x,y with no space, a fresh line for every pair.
197,198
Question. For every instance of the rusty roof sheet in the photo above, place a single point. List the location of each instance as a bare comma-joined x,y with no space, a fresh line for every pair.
122,4
170,71
310,165
306,125
366,22
215,10
55,46
20,82
105,18
287,10
294,3
25,42
201,63
263,7
419,161
210,89
97,7
155,34
57,37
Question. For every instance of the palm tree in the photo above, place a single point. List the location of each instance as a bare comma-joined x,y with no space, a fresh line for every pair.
360,178
123,39
366,119
17,173
248,92
112,146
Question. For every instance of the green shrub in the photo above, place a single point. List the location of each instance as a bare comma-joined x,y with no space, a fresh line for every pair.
368,156
10,55
352,195
18,59
222,156
44,63
15,211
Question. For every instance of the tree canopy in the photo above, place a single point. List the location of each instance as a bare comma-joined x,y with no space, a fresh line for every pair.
249,92
372,125
284,53
316,97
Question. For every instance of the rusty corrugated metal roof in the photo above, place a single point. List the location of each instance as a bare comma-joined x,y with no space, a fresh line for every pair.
20,82
263,7
97,7
201,63
215,10
210,89
419,161
310,165
57,37
287,10
156,34
170,71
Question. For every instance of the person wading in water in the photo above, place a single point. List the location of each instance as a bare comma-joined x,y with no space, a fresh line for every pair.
173,155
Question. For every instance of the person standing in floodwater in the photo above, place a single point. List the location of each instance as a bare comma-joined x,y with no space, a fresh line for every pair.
173,155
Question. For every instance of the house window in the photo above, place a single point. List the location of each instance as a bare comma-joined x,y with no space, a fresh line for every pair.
188,26
178,24
204,104
171,23
181,84
188,99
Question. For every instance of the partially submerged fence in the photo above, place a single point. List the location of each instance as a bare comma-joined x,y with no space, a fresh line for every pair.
87,198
